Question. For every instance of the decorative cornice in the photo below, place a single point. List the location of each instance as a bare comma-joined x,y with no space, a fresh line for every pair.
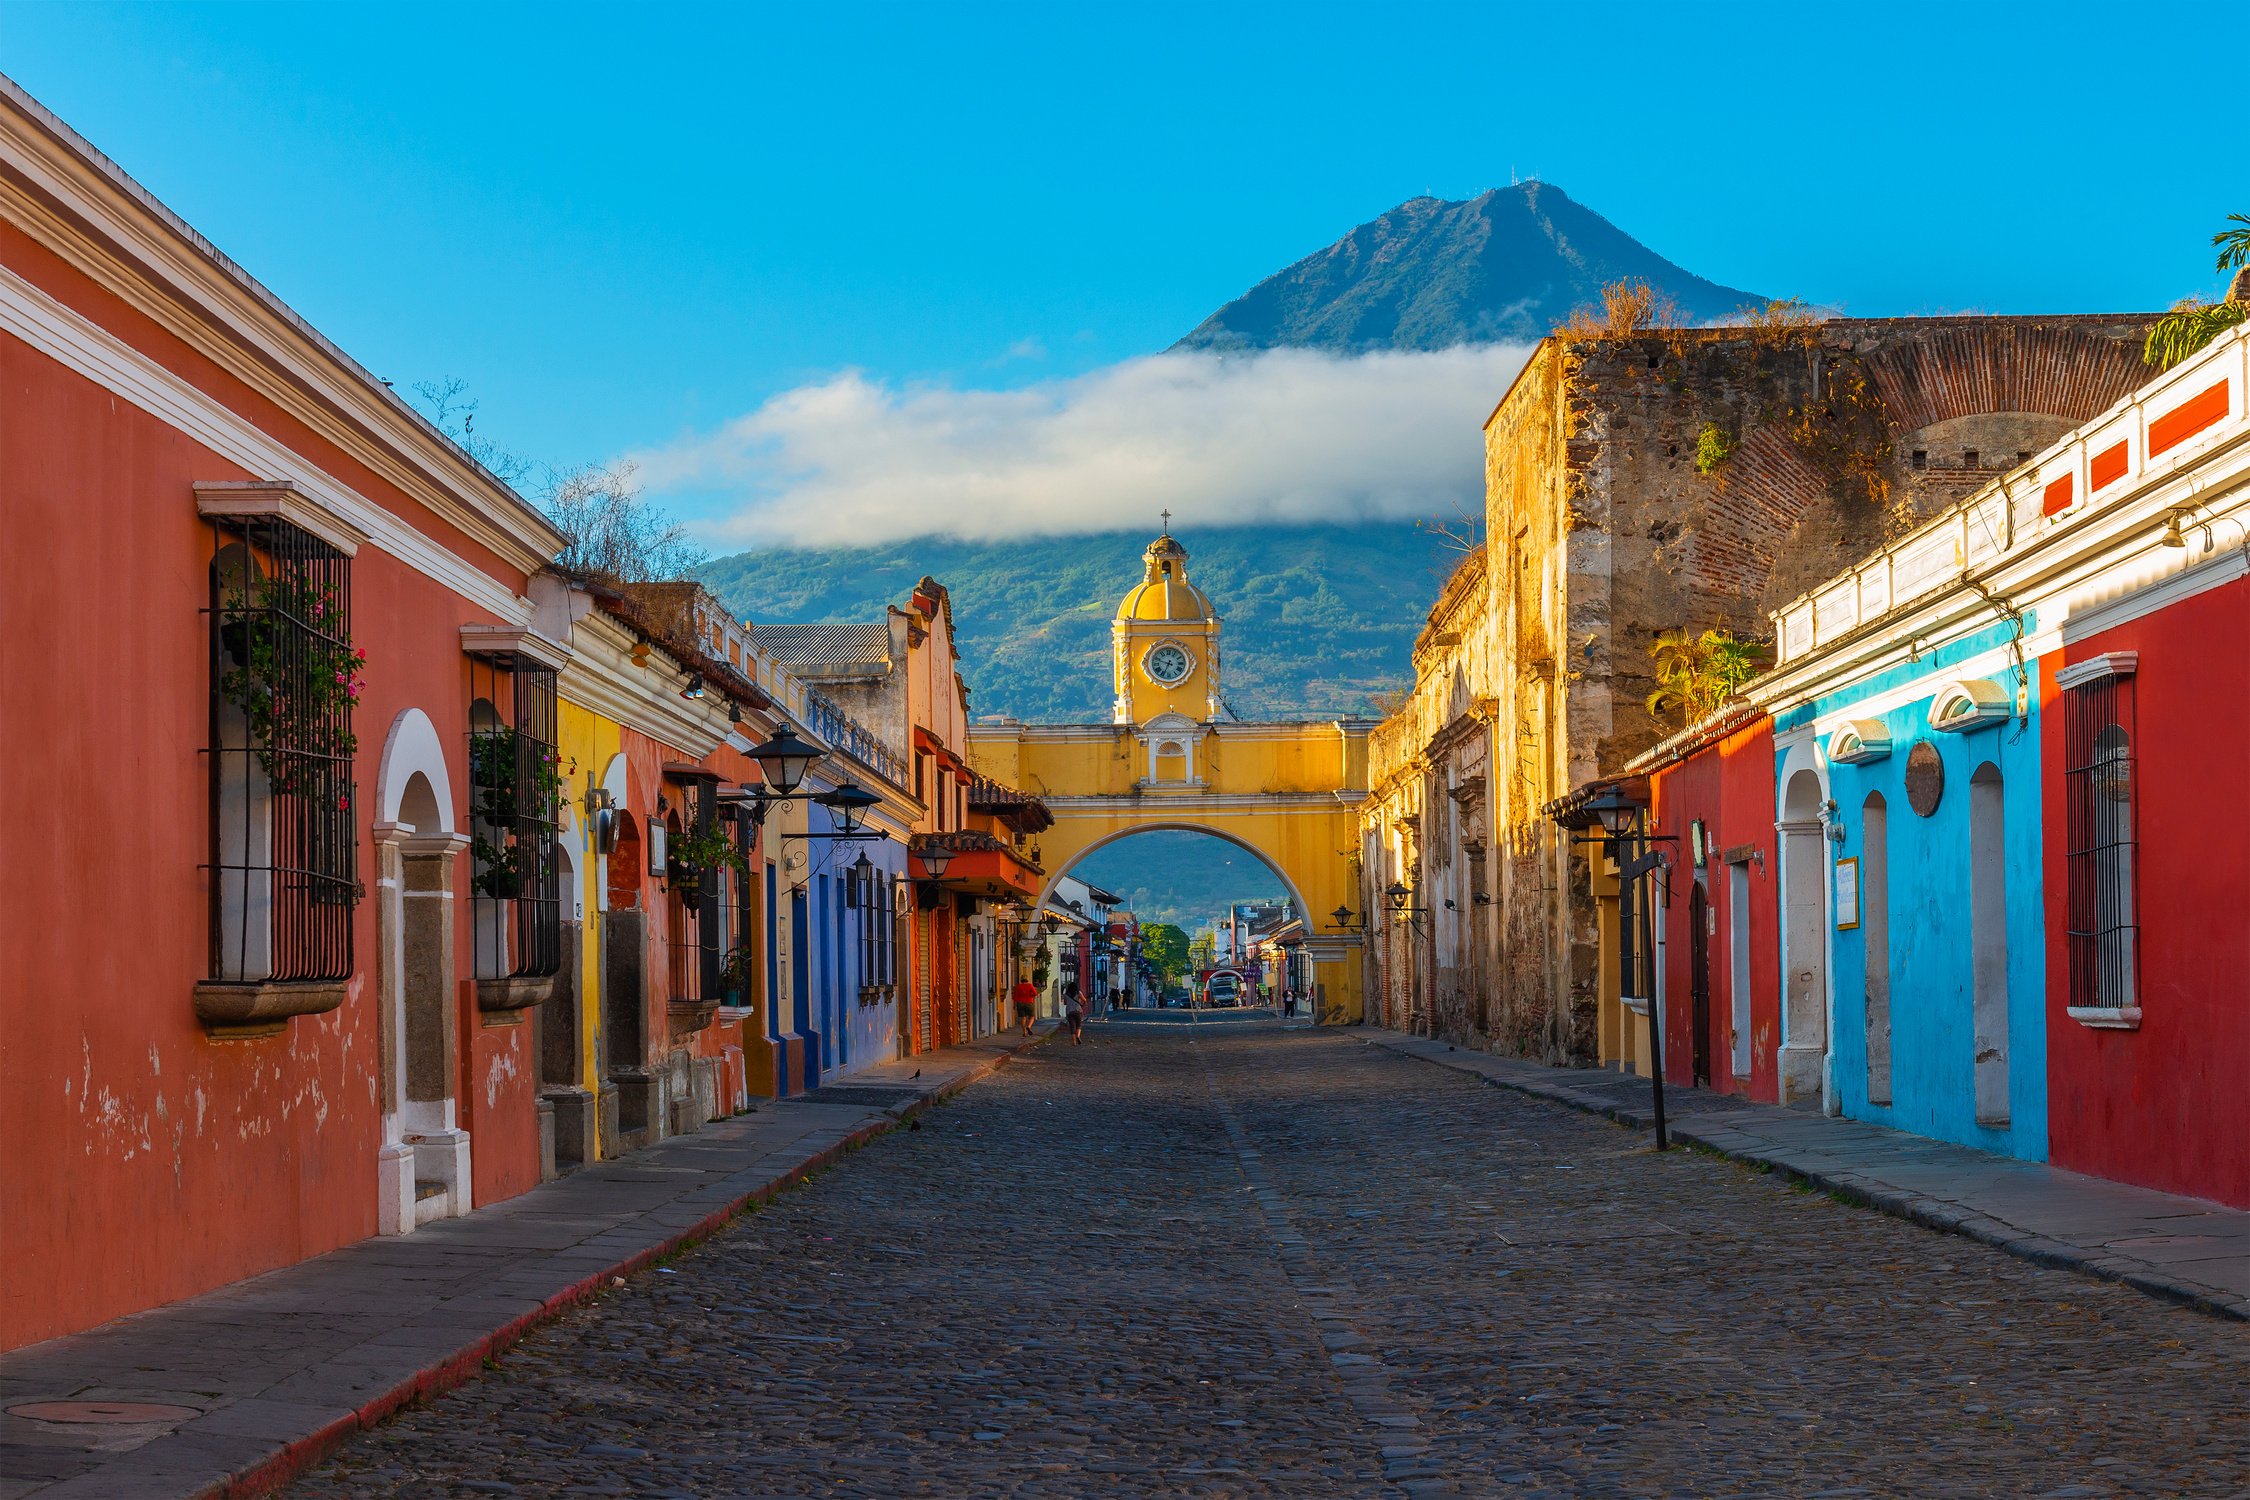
79,204
514,640
109,362
237,499
2097,668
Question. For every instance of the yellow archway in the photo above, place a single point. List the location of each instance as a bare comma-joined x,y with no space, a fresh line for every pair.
1288,793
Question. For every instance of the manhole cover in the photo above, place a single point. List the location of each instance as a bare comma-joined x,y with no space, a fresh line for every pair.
102,1411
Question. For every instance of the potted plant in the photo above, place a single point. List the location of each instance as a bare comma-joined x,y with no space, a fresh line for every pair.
734,973
700,849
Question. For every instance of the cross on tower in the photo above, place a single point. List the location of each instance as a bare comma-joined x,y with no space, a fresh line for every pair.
1167,521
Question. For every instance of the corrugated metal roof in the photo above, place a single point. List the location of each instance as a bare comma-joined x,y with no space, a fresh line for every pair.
829,647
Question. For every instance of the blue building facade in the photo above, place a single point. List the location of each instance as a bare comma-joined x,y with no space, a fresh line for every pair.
1935,954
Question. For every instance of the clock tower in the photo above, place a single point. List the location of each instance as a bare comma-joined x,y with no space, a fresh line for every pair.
1164,655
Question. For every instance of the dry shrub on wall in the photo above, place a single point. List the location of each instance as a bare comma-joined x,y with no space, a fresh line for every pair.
1781,323
1626,308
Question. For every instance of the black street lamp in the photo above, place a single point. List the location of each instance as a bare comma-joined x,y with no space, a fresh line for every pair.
1402,902
785,759
934,858
783,762
1618,809
1343,918
849,804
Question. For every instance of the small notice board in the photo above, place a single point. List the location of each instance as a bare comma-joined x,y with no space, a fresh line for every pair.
1847,893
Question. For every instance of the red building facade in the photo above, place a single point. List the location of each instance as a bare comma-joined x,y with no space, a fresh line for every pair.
2147,774
1711,792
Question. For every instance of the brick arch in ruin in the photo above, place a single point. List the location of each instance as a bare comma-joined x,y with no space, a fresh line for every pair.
2054,376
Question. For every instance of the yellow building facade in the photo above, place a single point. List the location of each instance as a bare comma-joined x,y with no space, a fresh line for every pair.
1173,758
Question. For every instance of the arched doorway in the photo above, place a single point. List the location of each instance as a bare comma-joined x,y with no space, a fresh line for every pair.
1699,979
624,989
1988,944
1875,940
423,1166
1804,921
568,1104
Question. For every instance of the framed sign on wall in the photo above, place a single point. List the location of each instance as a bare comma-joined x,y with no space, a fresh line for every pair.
1847,893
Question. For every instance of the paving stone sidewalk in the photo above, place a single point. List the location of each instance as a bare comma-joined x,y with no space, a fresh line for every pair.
245,1385
2184,1250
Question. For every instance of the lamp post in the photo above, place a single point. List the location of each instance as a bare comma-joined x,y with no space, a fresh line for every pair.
783,762
1620,816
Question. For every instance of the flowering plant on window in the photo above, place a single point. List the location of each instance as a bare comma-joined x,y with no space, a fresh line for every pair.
700,849
294,673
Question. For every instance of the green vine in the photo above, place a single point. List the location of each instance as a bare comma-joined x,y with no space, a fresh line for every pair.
706,848
296,677
509,786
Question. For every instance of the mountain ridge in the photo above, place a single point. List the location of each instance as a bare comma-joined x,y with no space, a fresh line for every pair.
1319,620
1504,266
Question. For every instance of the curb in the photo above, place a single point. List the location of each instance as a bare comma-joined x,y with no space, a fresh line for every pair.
299,1454
1899,1203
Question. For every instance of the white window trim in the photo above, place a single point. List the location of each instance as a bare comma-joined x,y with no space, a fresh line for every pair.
2107,1017
2098,669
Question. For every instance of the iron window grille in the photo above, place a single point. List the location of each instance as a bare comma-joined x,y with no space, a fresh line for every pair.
284,852
515,796
694,925
2104,933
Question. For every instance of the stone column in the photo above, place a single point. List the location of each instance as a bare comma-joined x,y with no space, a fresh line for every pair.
430,1030
395,1160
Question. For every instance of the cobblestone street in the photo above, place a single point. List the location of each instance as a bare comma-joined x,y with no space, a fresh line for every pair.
1233,1259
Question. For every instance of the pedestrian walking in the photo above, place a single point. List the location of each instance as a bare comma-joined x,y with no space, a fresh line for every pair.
1026,997
1074,1014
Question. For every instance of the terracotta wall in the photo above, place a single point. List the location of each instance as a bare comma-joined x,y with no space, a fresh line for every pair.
189,1162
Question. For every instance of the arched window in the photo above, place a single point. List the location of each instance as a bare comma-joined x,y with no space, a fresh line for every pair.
515,793
285,678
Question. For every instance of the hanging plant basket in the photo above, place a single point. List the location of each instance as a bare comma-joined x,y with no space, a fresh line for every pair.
684,878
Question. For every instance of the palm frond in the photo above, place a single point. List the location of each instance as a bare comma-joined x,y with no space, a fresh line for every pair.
2234,244
2187,328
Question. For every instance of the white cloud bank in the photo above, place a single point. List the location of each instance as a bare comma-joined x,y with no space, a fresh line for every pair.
1281,436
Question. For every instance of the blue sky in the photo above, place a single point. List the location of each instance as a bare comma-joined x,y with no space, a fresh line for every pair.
624,225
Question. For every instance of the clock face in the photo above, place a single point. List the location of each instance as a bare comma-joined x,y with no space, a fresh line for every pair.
1168,664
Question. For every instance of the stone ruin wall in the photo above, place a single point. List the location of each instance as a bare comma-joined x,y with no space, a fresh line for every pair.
1601,534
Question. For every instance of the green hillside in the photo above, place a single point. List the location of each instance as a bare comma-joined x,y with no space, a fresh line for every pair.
1171,875
1318,619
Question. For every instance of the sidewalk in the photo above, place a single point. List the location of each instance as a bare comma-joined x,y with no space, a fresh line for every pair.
2185,1250
236,1390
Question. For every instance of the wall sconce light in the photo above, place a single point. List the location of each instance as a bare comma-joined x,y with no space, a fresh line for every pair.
601,820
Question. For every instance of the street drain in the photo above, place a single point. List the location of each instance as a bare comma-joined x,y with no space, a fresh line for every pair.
102,1411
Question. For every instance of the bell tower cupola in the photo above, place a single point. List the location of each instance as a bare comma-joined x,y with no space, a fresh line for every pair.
1165,641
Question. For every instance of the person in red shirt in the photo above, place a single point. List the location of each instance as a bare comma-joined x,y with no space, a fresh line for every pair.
1026,997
